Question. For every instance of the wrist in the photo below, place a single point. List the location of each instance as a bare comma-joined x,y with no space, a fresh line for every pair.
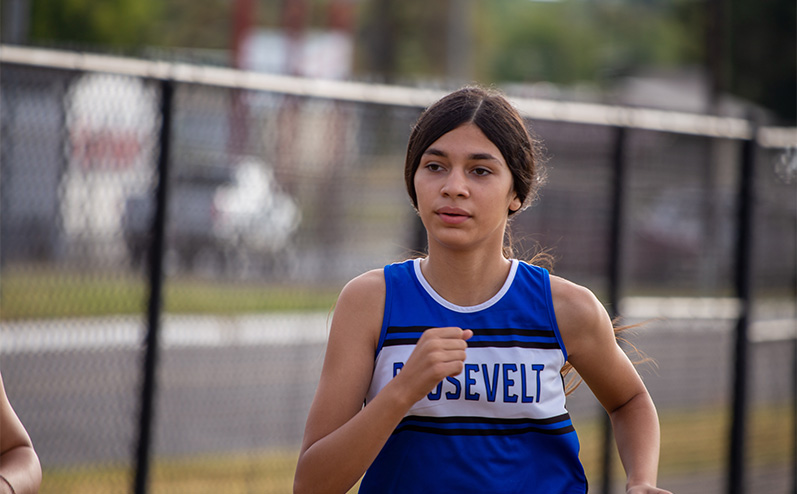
400,394
639,487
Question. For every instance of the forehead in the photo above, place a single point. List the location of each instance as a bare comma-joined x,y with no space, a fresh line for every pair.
465,140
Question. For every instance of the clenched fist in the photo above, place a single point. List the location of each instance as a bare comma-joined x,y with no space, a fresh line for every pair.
439,353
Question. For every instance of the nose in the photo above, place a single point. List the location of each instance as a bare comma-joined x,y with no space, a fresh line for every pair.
455,184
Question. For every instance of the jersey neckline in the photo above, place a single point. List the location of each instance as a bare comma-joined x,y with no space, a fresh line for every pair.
460,308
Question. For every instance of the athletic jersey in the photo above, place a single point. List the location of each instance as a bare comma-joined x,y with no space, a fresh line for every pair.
501,425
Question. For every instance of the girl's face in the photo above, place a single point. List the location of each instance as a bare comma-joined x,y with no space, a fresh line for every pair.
465,190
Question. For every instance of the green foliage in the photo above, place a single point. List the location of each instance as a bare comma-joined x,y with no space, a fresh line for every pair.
762,54
572,41
400,40
549,42
121,24
565,42
205,24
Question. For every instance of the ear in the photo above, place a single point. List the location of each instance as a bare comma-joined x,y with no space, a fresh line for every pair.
515,203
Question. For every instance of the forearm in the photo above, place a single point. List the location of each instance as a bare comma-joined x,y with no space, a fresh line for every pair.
636,431
335,462
21,469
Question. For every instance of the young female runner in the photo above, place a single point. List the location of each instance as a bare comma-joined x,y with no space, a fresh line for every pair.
458,355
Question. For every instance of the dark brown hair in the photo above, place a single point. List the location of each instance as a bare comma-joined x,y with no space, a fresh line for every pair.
497,119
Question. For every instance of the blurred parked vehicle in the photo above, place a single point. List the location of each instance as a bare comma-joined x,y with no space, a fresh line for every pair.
221,219
111,123
683,230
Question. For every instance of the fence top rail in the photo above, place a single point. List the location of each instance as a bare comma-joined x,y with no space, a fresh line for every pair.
540,109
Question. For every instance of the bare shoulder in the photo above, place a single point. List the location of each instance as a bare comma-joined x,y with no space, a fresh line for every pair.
361,305
367,283
579,314
575,304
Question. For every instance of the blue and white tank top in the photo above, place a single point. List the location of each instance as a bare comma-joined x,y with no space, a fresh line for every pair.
500,426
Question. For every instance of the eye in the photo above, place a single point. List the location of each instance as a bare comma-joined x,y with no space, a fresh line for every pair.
433,167
481,172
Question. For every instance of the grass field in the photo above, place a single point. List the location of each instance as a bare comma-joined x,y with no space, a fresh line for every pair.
32,293
693,442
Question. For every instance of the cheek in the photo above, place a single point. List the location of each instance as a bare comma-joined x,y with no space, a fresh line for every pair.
420,191
421,196
416,186
414,181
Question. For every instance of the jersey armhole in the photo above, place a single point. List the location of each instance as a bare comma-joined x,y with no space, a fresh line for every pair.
551,312
386,315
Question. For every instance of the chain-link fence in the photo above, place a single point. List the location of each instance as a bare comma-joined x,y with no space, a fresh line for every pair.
275,198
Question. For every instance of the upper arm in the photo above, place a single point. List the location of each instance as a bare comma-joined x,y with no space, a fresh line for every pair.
13,433
588,334
349,361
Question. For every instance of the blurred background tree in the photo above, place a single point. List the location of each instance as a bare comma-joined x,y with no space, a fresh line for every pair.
403,39
762,54
117,24
570,42
747,48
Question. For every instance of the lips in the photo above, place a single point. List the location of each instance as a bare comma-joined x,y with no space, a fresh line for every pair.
451,215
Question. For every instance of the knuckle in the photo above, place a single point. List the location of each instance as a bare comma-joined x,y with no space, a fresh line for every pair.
439,369
458,367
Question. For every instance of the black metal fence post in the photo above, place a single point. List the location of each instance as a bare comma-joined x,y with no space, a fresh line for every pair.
743,282
794,370
616,233
156,287
794,412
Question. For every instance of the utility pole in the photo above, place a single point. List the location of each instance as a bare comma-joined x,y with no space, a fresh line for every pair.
382,37
16,22
458,56
242,16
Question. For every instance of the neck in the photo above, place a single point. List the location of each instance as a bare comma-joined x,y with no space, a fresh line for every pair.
465,278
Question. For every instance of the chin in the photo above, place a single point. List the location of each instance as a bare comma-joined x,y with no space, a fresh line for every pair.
457,243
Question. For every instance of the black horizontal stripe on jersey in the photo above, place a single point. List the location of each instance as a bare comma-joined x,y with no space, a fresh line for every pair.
485,426
482,338
485,344
482,331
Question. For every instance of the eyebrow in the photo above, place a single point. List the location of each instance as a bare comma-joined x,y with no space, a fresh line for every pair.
471,157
